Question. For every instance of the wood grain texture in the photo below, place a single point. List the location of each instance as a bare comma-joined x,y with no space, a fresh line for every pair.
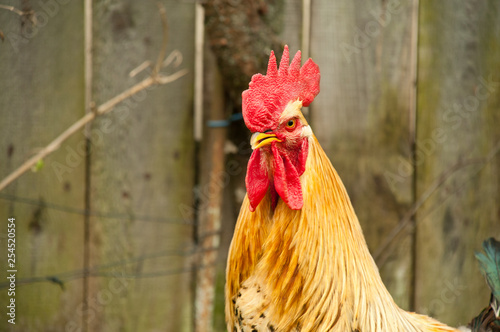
41,70
457,123
362,116
142,165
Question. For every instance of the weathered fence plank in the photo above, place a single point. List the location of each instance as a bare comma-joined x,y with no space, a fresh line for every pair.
457,129
142,165
41,84
362,116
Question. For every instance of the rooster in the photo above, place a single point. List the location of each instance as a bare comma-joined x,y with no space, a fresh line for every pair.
298,260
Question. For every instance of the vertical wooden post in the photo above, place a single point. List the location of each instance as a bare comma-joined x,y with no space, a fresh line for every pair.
213,180
142,165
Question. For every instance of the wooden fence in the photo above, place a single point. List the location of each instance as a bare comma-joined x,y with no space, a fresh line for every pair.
409,113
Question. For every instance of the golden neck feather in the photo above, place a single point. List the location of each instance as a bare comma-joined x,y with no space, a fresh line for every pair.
314,262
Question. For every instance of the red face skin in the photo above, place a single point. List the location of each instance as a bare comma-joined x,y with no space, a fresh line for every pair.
277,166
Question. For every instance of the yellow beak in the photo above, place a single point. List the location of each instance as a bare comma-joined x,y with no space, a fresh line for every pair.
260,139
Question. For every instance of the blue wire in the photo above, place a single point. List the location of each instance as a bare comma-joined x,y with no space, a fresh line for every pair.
224,123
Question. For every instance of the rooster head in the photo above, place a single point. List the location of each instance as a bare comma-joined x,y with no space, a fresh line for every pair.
272,111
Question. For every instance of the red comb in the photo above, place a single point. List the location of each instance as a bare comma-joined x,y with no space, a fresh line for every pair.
269,94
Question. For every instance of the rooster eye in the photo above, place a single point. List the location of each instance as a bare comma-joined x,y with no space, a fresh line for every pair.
291,124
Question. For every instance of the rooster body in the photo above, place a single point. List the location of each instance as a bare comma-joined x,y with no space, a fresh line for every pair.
298,259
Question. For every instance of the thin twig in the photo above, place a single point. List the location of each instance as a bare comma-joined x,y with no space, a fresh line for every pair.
139,68
14,10
381,254
176,57
28,13
154,78
163,50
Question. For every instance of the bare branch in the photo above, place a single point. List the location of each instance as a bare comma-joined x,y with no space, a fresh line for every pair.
155,78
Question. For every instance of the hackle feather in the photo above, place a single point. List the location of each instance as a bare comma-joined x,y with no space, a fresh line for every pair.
310,269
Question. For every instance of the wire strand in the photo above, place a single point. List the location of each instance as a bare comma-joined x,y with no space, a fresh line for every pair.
97,271
86,212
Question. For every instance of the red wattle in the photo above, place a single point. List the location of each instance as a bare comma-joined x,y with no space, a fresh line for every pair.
287,180
257,180
302,158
